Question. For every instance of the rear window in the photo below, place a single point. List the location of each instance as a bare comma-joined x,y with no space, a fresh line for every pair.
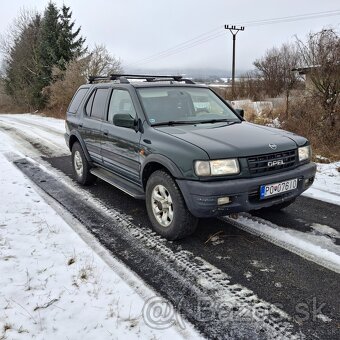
77,98
99,103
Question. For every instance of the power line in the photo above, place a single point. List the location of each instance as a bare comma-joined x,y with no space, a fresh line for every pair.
218,32
172,51
292,18
190,41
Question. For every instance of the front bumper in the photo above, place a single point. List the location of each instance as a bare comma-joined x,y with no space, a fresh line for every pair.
201,197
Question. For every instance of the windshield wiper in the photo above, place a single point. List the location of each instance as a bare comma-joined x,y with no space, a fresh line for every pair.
194,122
212,121
216,120
176,122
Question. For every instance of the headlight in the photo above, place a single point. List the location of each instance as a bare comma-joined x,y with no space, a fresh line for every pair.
304,153
217,167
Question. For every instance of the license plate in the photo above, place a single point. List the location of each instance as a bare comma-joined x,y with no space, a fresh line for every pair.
277,188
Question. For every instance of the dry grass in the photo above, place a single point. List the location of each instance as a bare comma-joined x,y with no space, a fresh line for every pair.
71,261
306,117
59,113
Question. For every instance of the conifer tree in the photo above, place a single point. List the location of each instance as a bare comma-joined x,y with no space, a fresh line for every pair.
35,47
23,81
49,49
69,44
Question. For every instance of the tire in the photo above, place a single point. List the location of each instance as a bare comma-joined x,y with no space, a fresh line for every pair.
80,165
171,219
280,206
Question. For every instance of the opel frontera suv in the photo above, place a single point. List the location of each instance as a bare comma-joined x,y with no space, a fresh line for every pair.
183,149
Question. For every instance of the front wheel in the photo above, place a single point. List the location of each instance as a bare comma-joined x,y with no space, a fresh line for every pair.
166,207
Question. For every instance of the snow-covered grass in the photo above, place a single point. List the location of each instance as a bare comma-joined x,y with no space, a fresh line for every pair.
54,123
52,284
326,186
48,132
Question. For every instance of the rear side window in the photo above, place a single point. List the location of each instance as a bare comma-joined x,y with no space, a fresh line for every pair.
77,98
88,107
99,103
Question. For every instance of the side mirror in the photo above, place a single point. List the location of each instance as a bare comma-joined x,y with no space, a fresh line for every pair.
240,112
124,120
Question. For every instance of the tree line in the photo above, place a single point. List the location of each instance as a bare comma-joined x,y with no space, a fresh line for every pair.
45,59
304,76
278,73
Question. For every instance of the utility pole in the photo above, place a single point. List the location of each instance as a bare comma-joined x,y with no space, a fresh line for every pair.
233,30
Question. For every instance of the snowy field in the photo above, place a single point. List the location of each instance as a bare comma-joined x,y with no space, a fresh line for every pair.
54,285
327,183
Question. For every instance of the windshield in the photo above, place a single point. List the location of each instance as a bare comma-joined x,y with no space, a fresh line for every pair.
184,105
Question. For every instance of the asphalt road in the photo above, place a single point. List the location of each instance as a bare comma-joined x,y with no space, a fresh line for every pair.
299,287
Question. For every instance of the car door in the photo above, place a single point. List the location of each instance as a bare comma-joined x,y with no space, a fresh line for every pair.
120,145
95,112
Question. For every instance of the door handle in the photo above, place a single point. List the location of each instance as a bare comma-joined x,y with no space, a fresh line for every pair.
105,132
80,125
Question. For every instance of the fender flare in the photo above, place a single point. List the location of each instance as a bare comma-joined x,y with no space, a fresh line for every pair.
76,134
164,161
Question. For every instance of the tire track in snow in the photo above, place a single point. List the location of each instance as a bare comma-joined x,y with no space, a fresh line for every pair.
250,316
44,145
294,241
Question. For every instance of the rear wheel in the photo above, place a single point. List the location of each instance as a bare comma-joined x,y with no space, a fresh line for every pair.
81,167
166,207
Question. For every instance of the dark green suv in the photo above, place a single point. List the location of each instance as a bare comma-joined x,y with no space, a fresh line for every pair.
183,149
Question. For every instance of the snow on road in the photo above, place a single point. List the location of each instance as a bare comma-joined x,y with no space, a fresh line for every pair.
318,245
45,131
52,284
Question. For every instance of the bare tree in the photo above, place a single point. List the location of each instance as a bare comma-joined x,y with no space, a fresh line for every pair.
321,57
15,30
276,70
252,85
66,82
289,59
102,62
270,69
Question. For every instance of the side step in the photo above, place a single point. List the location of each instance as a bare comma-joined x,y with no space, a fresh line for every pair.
127,187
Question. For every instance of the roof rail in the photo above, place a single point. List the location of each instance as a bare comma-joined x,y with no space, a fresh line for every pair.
123,78
92,79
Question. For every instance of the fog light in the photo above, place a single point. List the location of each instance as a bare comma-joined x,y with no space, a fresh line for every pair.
308,181
223,200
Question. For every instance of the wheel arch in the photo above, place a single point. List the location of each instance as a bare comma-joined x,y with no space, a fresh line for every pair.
158,162
76,137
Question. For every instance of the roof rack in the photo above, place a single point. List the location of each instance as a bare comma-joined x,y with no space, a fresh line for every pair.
92,79
123,78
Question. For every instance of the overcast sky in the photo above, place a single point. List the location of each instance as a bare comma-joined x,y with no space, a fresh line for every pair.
137,29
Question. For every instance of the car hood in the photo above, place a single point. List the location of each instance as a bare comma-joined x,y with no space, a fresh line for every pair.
244,139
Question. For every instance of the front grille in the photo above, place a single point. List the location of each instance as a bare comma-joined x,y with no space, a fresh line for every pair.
259,164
